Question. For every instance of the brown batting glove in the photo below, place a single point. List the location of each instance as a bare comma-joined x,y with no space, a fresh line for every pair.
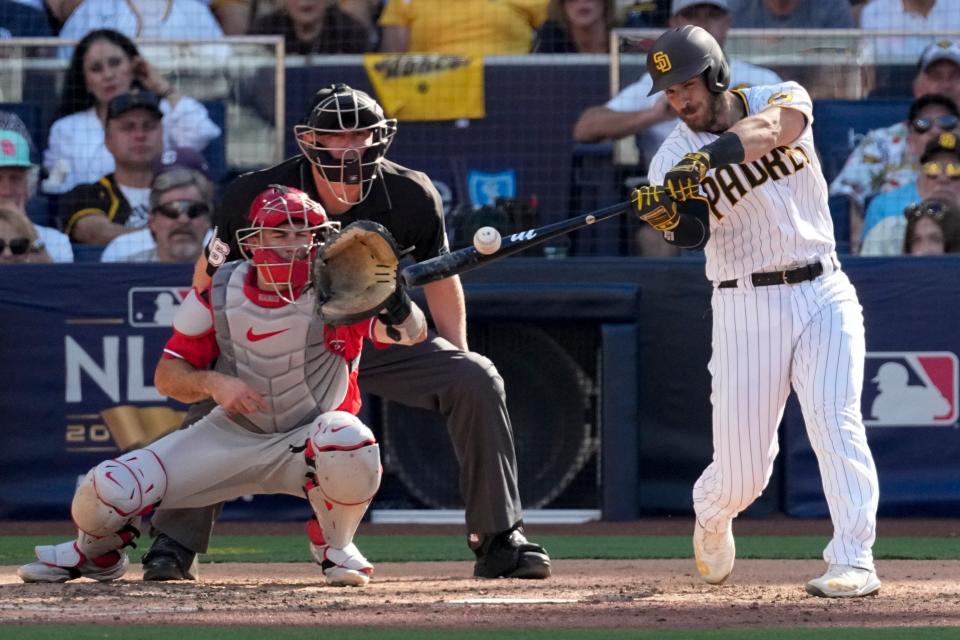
683,180
652,205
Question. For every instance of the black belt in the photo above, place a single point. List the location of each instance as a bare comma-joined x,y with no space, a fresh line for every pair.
793,276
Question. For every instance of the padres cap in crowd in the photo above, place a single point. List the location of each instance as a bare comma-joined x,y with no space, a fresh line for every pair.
940,50
946,141
679,5
134,100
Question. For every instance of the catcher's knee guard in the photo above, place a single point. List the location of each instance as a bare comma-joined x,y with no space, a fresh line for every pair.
345,459
113,496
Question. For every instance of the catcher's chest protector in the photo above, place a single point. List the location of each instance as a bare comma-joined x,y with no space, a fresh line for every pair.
279,351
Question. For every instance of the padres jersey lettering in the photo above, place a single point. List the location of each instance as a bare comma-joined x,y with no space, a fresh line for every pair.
770,215
780,199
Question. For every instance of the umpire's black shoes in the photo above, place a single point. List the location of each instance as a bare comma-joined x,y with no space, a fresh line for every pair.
509,554
169,560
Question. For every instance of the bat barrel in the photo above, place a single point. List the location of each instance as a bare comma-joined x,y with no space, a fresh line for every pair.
463,260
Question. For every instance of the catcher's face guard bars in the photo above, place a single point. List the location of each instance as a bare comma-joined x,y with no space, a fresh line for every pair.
284,255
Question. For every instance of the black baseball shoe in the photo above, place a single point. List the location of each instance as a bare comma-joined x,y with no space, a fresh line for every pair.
508,554
169,560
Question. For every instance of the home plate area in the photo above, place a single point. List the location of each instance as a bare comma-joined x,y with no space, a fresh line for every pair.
633,594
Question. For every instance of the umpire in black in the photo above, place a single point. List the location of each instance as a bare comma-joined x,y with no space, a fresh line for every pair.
343,140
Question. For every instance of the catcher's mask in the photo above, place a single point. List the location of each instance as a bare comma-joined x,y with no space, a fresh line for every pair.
339,109
283,257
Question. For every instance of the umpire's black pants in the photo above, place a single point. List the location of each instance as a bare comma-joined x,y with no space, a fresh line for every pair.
464,387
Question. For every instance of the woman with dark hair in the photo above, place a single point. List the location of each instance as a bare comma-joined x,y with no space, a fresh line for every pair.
106,64
576,26
933,228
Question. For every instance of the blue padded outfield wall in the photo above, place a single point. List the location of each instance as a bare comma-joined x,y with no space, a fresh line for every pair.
83,339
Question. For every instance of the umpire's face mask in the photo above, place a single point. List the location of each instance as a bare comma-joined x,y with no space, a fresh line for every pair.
346,158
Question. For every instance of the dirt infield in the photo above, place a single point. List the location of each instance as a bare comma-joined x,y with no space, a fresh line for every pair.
631,594
582,594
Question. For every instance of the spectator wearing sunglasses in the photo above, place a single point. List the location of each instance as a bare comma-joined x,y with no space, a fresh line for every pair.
939,177
179,219
933,229
118,202
884,160
19,243
18,184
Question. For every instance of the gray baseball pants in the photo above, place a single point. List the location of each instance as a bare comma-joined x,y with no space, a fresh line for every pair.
463,387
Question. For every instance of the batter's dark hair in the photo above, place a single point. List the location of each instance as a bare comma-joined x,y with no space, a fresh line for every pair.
75,96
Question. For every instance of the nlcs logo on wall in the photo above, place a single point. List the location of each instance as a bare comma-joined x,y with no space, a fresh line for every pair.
154,306
910,389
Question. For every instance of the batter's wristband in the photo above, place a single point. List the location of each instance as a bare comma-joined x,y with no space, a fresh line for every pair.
727,149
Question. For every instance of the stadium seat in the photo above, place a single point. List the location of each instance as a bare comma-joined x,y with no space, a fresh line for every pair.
87,252
840,212
216,151
595,183
839,126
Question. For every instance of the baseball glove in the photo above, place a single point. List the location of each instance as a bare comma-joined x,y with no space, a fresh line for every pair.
355,273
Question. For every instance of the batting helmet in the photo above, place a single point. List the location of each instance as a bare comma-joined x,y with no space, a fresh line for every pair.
337,109
684,53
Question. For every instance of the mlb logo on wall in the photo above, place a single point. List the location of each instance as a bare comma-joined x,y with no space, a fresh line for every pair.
910,389
154,306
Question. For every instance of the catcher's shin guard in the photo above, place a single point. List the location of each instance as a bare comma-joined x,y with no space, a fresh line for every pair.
345,459
107,509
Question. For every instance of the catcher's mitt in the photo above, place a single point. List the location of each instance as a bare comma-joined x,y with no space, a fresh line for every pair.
355,273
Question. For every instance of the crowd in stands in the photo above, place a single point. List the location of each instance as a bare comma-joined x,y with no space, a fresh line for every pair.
103,181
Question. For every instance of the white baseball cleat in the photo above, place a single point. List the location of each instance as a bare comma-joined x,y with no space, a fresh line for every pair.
56,564
342,567
844,581
714,553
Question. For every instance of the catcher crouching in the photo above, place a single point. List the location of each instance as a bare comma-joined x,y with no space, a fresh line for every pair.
280,357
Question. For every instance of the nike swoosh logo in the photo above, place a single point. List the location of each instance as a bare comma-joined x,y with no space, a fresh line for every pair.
335,429
256,337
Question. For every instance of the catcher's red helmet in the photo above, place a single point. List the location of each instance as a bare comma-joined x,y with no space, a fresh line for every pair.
283,259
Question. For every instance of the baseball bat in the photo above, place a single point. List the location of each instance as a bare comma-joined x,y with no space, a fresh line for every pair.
463,260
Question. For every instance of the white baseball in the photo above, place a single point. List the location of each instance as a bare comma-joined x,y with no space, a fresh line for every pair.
486,240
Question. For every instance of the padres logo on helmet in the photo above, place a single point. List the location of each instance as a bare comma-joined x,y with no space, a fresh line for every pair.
662,62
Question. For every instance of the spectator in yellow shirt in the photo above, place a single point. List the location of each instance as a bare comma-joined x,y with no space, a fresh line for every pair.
471,27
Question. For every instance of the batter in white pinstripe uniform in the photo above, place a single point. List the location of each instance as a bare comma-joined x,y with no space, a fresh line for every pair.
739,178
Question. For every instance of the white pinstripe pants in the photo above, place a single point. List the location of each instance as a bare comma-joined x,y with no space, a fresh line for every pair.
765,339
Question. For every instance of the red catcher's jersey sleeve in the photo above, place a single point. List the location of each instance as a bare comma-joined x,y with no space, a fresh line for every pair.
194,339
199,351
347,341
